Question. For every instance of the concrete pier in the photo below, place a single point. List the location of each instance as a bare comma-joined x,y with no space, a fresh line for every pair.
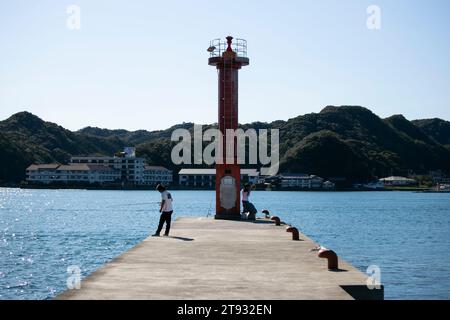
219,259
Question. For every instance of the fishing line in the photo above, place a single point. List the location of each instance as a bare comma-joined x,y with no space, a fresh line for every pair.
132,204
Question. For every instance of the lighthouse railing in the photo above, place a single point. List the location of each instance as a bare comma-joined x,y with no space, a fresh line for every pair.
220,46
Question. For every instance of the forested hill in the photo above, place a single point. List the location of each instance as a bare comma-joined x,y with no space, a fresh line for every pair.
346,141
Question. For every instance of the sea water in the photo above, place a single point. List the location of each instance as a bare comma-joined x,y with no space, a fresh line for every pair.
44,232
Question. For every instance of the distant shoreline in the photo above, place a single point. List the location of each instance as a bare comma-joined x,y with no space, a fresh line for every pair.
147,188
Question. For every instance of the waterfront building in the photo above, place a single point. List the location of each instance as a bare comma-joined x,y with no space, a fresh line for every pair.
91,173
398,181
44,173
206,178
328,185
157,174
72,173
123,167
302,181
131,167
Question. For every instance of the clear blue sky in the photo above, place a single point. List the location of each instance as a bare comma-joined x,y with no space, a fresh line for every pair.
143,64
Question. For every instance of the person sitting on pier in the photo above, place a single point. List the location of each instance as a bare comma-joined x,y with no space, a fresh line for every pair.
248,207
166,210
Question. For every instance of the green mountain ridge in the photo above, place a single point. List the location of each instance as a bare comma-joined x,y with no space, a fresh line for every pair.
436,128
345,141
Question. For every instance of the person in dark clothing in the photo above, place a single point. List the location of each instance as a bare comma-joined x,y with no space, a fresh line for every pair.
166,210
248,207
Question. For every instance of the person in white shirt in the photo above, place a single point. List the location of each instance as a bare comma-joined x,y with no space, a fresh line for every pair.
248,207
166,210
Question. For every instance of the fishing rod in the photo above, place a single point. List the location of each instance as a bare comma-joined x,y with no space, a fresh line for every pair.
210,206
134,204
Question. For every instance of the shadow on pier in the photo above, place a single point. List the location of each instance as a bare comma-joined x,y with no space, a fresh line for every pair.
180,238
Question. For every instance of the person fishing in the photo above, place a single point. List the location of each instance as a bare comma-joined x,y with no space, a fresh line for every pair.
166,210
248,207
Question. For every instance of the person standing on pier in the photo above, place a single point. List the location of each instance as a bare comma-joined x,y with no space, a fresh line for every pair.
248,207
166,210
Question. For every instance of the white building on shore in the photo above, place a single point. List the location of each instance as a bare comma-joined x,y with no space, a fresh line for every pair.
398,181
157,174
206,178
123,167
131,167
72,173
43,173
304,181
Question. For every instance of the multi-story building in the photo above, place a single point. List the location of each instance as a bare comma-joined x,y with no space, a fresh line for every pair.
72,173
301,181
124,167
44,173
157,174
131,167
398,181
91,173
206,178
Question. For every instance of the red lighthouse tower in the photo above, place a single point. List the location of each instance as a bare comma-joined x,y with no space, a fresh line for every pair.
228,58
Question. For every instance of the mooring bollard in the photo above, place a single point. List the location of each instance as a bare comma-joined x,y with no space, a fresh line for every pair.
294,232
331,256
266,213
276,219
